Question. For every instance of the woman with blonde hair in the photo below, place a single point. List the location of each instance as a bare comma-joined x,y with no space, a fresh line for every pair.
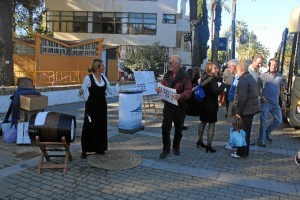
209,106
94,129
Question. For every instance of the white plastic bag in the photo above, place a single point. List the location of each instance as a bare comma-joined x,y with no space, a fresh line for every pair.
9,133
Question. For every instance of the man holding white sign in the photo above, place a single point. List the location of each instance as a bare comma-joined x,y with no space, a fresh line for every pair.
176,89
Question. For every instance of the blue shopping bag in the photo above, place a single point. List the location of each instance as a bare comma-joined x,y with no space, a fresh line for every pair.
238,137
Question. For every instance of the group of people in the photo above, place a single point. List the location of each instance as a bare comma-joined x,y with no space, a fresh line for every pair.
249,93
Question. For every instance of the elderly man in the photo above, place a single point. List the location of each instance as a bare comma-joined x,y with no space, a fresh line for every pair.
245,104
230,97
178,79
229,77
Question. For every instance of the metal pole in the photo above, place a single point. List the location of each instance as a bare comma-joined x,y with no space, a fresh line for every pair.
194,45
233,29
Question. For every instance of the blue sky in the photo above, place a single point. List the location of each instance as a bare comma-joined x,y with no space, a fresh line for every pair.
266,18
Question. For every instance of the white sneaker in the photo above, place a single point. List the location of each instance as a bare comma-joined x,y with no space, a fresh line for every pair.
235,155
229,147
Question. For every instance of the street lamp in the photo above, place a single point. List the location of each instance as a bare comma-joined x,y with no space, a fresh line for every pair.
249,43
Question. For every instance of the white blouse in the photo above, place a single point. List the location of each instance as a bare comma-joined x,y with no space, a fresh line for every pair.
110,89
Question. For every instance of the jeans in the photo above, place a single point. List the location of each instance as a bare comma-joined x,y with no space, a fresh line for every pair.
275,111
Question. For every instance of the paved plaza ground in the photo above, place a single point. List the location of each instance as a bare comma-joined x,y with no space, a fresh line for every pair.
268,173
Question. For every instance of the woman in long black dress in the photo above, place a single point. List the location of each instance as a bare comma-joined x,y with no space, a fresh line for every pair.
94,129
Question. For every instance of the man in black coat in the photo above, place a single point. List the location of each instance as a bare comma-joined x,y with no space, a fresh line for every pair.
245,104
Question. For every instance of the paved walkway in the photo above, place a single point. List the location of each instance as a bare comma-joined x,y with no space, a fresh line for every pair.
268,173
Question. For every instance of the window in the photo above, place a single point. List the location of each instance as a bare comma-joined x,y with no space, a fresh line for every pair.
169,19
103,22
23,49
97,22
122,20
108,23
85,50
67,21
80,22
49,47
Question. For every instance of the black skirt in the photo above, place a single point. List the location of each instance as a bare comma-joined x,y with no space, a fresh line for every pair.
208,116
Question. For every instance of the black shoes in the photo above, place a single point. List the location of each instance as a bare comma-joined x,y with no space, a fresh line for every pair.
83,155
200,143
176,152
209,148
261,144
164,154
269,139
184,128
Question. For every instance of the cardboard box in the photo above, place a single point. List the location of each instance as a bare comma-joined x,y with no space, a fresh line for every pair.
33,102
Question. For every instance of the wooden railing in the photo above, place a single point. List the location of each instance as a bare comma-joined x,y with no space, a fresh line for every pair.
52,78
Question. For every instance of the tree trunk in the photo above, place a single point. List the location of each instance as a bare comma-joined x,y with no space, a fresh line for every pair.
6,47
217,23
212,16
30,19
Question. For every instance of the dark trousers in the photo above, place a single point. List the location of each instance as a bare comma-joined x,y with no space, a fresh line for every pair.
246,126
226,97
176,115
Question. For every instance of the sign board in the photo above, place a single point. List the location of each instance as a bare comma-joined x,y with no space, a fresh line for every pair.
222,44
167,94
145,80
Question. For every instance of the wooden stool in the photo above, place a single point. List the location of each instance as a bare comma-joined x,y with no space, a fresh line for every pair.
49,146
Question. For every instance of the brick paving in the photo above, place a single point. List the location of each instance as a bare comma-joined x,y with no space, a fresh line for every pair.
268,173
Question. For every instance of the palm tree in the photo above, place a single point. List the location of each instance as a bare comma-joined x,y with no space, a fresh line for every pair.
247,51
6,47
241,32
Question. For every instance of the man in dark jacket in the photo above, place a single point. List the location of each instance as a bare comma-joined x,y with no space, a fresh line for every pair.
178,79
246,104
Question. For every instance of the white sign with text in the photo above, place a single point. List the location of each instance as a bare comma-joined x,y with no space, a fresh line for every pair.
167,94
145,80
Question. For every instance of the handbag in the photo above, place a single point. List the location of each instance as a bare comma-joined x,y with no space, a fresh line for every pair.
237,136
199,93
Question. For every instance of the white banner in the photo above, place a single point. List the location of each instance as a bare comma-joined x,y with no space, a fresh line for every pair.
167,94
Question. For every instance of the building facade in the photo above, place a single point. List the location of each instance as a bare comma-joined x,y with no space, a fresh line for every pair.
122,23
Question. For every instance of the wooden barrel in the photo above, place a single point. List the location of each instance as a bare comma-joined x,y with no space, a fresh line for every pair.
54,127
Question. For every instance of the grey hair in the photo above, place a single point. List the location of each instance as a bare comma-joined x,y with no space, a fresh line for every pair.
233,62
243,66
178,59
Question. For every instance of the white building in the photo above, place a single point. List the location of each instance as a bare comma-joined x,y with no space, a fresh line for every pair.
122,23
